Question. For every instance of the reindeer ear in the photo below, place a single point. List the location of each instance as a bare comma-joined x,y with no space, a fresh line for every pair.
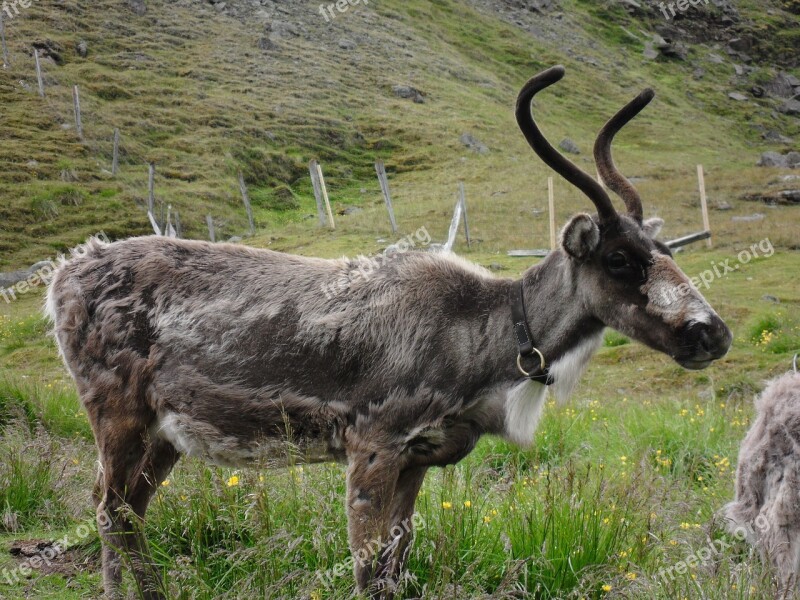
580,237
652,227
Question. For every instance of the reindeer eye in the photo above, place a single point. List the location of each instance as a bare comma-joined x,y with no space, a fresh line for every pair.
617,261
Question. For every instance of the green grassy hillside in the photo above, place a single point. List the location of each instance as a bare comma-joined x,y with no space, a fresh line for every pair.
621,483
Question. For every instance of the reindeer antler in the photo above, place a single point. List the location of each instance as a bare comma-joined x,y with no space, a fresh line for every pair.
550,155
615,180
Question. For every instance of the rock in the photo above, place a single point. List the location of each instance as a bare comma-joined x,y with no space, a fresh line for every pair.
748,218
473,143
790,107
266,43
789,197
771,298
715,58
738,69
82,48
498,267
9,279
790,160
669,48
409,93
698,73
722,205
138,7
282,29
537,6
777,137
757,91
782,85
649,51
740,44
738,97
235,240
567,145
346,44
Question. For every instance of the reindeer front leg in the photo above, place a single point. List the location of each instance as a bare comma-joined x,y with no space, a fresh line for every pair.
372,476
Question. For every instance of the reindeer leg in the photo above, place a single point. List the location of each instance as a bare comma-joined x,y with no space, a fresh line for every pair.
133,467
371,481
401,521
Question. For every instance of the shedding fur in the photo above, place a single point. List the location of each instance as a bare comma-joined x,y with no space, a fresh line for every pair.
767,505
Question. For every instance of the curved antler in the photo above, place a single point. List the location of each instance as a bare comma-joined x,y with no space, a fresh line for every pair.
550,155
615,180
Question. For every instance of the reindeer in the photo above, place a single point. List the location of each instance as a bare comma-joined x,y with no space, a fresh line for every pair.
767,505
233,355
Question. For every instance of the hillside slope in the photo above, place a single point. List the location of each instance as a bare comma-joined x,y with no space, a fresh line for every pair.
204,90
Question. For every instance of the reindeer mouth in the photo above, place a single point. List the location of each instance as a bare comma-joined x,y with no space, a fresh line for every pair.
695,364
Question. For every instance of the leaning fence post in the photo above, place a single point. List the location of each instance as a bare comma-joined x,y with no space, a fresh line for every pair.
312,168
387,198
76,99
703,202
115,158
6,61
325,196
210,222
151,180
156,228
463,199
246,200
552,206
38,72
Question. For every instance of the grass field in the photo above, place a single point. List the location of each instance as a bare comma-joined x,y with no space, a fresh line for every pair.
621,484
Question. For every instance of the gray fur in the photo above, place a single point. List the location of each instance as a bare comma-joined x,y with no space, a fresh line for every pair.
767,504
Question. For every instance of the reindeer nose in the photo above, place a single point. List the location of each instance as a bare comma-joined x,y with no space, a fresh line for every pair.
705,343
715,339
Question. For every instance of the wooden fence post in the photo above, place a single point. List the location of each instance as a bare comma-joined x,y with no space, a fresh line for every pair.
453,231
151,181
115,157
387,197
39,72
178,229
211,234
246,200
463,199
76,99
6,61
552,210
312,169
703,202
325,196
153,222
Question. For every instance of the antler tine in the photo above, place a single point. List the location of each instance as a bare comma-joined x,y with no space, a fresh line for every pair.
615,180
550,155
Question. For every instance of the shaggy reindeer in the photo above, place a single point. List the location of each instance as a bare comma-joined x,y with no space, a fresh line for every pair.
768,479
227,353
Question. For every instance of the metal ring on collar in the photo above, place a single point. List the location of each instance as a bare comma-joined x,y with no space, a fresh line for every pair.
519,362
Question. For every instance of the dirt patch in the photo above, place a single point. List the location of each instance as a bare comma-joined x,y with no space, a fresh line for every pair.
48,558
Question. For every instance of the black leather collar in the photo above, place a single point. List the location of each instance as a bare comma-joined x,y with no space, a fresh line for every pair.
522,333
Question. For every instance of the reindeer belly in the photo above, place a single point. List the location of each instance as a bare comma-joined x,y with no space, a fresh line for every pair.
233,425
